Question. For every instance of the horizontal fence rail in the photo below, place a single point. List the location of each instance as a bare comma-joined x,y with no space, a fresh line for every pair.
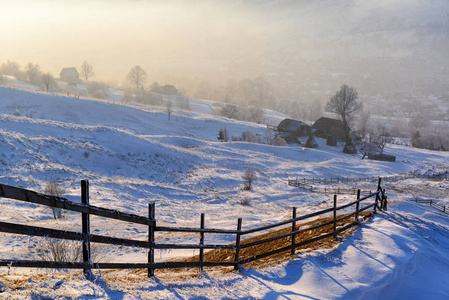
318,185
374,201
434,204
325,189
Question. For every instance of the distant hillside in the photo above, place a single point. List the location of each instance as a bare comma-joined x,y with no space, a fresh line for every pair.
307,49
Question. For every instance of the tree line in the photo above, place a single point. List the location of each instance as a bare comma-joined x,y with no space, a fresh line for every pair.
247,99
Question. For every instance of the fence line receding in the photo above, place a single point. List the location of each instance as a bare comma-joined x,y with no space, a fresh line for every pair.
374,201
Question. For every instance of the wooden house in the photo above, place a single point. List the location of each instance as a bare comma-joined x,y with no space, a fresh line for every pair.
290,130
70,75
327,127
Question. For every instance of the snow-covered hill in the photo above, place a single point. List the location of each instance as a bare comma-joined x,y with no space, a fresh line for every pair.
136,155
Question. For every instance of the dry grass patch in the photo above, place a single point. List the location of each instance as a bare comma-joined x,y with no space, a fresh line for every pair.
228,255
133,277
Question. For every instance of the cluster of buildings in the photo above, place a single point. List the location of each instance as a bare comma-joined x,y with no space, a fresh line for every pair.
331,129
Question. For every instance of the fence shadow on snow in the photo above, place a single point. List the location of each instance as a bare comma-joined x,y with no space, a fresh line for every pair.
373,201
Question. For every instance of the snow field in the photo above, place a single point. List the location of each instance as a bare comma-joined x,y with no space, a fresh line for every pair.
134,155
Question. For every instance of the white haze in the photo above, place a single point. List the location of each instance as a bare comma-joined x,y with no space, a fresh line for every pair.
302,47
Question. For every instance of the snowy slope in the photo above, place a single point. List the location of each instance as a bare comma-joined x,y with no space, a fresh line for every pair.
135,155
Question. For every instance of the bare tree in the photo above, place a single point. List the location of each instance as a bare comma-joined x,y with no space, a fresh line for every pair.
366,148
87,71
98,89
230,90
383,138
169,108
223,134
11,68
268,136
249,176
248,136
32,73
344,103
127,97
256,114
419,121
230,111
363,123
262,91
59,250
246,87
137,76
53,188
278,141
183,102
47,80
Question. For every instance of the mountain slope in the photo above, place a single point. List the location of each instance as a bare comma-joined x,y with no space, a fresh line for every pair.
135,155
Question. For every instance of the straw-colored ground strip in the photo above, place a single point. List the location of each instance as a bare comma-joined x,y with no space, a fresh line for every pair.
134,277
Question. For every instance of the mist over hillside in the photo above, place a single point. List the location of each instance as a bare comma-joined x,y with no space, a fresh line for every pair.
389,50
397,49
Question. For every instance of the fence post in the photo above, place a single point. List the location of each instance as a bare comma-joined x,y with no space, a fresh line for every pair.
384,200
377,195
85,227
357,207
201,242
237,243
151,215
335,216
378,183
293,230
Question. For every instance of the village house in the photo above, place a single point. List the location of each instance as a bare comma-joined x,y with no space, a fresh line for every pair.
290,130
331,129
70,75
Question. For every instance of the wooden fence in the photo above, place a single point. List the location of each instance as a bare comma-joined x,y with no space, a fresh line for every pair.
378,201
311,184
434,204
326,189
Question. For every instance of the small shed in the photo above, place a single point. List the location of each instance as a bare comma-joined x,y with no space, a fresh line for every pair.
325,127
169,89
70,75
297,128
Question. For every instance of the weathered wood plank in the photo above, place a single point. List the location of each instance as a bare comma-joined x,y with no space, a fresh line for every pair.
67,235
85,228
193,230
11,192
237,243
201,242
287,221
255,243
287,248
80,265
191,246
151,215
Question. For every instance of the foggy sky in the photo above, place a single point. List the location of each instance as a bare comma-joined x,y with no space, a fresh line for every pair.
212,39
116,35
